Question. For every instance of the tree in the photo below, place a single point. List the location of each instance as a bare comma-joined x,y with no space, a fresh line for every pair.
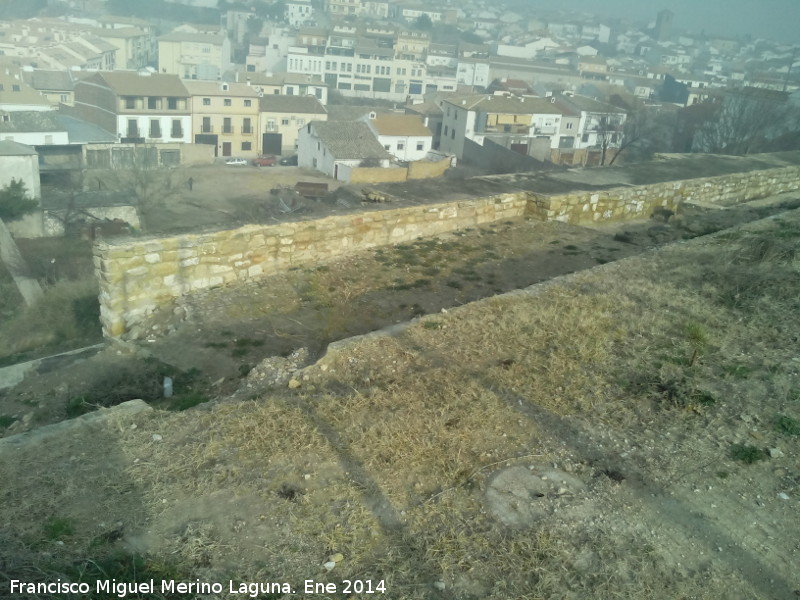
15,202
643,133
138,173
745,123
424,22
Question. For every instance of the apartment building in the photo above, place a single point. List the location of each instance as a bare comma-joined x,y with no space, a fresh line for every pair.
299,12
371,67
135,47
136,106
512,121
194,55
226,116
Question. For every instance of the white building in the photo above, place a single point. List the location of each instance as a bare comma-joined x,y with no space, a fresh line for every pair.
299,12
403,136
333,147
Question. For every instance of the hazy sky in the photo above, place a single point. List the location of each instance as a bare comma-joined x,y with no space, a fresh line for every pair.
772,19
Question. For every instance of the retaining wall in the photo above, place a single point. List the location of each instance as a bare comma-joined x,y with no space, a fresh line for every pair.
139,276
632,202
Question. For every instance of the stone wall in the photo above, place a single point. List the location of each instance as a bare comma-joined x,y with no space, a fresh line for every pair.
139,276
632,202
426,169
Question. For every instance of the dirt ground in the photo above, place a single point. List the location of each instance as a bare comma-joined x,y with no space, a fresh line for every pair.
627,431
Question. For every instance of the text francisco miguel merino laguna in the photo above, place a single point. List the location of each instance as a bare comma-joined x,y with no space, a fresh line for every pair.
121,589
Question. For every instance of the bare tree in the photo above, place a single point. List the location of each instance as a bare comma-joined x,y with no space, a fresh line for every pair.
644,132
610,130
137,171
746,121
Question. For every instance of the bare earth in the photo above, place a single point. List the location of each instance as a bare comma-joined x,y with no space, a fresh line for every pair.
628,431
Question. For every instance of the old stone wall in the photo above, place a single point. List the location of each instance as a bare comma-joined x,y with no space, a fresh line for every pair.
139,276
631,202
426,169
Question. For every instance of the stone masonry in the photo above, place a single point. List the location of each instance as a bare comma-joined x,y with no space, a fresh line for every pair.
141,275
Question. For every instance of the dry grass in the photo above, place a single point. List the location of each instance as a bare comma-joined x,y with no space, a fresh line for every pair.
634,378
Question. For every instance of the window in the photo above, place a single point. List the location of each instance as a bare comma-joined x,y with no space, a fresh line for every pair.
420,145
247,146
172,103
177,128
246,126
130,102
453,134
206,50
154,103
445,130
284,121
206,127
386,146
290,91
251,68
155,128
133,128
248,103
569,125
271,125
206,101
226,102
14,87
401,146
301,122
227,127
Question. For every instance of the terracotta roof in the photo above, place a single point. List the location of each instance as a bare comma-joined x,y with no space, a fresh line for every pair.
214,88
278,103
349,140
510,105
399,125
199,38
132,83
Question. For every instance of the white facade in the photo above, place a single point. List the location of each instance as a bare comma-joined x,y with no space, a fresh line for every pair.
172,128
406,148
37,138
472,72
299,12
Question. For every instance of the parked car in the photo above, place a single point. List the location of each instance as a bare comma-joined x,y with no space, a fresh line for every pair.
265,160
289,161
237,162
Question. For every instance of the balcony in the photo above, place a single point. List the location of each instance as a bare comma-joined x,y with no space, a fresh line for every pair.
176,133
227,130
207,129
247,130
133,132
508,129
545,130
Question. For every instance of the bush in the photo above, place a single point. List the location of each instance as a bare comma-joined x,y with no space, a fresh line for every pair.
15,201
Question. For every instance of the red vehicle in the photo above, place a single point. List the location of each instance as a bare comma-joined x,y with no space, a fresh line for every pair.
265,160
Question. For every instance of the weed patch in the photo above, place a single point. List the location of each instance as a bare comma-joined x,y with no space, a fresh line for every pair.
787,425
747,454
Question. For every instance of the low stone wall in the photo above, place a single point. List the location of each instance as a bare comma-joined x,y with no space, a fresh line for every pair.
139,276
427,169
632,202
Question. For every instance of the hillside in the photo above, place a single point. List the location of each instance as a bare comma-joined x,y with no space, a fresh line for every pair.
629,431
